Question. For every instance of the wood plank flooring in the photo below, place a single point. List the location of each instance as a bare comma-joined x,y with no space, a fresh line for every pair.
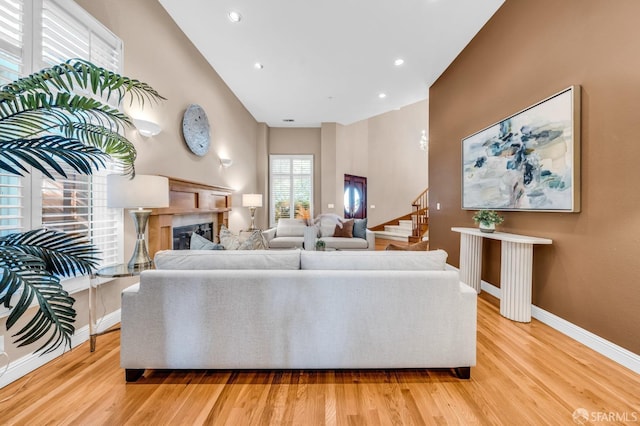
526,374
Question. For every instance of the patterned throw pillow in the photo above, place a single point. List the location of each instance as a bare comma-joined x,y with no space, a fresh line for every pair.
228,239
254,242
198,242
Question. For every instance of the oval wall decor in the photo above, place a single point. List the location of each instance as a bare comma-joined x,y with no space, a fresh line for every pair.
195,128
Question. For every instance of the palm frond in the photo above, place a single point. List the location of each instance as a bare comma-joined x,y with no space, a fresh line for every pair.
34,114
55,316
63,254
78,73
47,152
112,143
33,261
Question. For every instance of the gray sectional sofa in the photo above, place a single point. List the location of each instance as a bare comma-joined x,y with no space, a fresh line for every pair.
293,309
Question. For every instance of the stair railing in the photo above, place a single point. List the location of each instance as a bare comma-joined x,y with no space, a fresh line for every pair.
420,214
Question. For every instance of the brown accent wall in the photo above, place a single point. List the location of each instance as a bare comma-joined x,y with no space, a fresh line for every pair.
529,50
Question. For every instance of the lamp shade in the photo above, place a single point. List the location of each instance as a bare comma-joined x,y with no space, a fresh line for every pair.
143,191
251,200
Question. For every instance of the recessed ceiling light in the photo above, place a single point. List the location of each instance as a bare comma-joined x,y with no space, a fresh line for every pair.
258,66
398,62
382,95
234,16
288,120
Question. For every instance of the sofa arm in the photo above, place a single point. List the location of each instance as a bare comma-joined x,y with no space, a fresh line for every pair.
371,240
269,234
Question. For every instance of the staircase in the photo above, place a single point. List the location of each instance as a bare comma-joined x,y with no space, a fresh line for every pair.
400,232
412,227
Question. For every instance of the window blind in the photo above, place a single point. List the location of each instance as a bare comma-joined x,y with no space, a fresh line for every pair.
291,187
11,68
78,203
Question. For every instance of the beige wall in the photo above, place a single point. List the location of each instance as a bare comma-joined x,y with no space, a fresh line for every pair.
157,52
526,52
397,166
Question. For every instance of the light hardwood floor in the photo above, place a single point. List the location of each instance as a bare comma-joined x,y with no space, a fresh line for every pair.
525,374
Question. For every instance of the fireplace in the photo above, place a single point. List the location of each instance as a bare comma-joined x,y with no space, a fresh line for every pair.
192,205
182,234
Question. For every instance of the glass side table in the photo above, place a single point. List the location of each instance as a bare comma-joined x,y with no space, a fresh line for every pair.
116,271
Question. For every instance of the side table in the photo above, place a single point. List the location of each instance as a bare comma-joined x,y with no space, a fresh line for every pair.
116,271
516,268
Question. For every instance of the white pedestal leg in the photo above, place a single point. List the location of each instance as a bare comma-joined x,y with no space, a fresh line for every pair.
470,260
515,281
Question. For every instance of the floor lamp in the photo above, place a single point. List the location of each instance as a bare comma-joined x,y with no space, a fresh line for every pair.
139,194
253,201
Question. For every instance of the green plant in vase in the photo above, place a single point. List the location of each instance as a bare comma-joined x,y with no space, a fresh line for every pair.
320,245
487,220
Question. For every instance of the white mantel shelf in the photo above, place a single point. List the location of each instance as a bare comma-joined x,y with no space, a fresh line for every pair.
516,268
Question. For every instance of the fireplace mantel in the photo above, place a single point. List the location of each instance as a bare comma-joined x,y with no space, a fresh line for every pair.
186,198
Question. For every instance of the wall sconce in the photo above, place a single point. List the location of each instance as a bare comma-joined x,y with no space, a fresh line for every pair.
146,128
226,162
424,142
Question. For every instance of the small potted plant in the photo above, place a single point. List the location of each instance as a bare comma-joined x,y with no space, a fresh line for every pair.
487,220
320,245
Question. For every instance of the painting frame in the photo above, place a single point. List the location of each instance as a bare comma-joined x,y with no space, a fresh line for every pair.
528,161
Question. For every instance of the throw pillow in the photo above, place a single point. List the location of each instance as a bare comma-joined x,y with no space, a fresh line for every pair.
198,242
254,242
360,228
228,240
346,231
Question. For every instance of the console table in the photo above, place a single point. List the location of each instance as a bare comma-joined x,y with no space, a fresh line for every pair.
516,268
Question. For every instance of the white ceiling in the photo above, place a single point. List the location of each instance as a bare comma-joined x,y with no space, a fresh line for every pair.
327,60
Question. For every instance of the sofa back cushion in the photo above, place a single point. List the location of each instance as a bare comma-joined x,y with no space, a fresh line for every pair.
290,228
434,260
225,259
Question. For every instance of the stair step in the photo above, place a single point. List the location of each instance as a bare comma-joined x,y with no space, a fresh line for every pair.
400,230
385,235
406,224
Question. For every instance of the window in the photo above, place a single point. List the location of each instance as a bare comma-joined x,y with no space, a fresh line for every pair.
61,30
291,187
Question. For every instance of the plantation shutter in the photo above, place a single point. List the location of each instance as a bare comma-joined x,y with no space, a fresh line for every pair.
11,68
78,203
291,186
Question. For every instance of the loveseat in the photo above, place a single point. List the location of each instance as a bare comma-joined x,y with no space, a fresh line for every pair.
290,233
293,309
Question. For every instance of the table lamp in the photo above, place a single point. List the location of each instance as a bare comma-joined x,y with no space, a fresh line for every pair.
138,194
253,201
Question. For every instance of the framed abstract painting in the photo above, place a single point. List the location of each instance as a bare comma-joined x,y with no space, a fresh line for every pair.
529,161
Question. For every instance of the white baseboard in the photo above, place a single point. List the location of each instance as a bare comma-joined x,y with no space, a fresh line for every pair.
612,351
28,363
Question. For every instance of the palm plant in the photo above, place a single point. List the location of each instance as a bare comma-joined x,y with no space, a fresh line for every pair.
58,117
